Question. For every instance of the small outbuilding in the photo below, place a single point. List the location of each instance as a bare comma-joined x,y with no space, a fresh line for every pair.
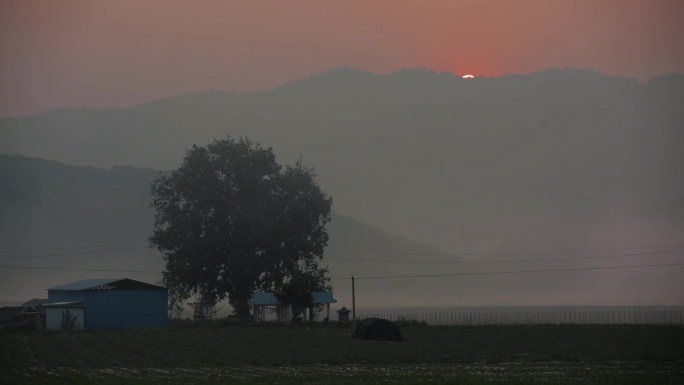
67,316
14,318
343,314
377,329
262,301
108,304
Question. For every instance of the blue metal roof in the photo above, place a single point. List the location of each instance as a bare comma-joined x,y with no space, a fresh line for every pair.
264,299
85,284
107,284
323,297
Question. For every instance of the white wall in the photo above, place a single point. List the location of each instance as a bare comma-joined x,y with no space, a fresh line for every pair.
53,317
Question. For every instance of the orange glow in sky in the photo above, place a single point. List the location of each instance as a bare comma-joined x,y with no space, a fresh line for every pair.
83,53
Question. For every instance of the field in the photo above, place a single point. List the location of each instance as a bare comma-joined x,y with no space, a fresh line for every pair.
220,353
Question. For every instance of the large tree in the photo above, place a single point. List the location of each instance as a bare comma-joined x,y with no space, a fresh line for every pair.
230,221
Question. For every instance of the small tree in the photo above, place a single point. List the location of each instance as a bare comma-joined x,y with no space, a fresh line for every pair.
68,321
203,310
175,308
296,292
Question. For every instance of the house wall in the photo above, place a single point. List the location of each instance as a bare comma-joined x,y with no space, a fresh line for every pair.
126,309
117,310
53,317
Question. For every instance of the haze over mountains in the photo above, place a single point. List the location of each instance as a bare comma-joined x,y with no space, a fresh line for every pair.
559,160
90,218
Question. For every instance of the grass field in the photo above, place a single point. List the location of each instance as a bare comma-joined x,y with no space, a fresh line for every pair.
228,354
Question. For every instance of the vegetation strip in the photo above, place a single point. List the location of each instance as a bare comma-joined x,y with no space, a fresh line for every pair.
221,352
502,373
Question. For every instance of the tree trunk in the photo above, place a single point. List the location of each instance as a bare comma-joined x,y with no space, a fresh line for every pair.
241,310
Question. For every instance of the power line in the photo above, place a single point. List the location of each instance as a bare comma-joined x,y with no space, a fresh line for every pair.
14,293
414,261
55,249
74,253
380,277
514,272
356,251
77,269
394,261
500,253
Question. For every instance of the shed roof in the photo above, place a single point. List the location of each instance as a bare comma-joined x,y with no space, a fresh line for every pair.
35,302
323,297
264,299
107,284
64,304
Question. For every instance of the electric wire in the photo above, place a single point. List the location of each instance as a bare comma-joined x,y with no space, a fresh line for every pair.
502,253
74,253
381,277
428,261
70,253
512,272
80,269
58,249
396,261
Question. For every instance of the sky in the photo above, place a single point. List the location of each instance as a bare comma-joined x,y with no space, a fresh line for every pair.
86,53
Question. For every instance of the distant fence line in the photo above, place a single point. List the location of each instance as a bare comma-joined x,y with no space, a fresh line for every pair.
539,315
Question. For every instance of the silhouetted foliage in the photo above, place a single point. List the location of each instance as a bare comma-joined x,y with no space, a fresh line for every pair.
68,321
296,292
230,222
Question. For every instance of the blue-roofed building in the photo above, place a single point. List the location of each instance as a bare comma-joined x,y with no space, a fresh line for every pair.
115,304
261,301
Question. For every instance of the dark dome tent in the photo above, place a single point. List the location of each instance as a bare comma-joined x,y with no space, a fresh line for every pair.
377,329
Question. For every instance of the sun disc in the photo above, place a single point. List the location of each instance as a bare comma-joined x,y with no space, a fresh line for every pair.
468,76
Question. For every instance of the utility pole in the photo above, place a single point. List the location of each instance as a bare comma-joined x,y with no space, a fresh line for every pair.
353,307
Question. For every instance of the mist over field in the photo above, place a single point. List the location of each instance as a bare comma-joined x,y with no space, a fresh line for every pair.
430,174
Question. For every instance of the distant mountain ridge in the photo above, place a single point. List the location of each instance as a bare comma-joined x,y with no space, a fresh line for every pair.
342,93
458,163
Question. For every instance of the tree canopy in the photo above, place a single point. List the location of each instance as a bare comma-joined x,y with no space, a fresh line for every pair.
230,221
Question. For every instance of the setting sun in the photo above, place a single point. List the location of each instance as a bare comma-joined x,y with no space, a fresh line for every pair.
468,76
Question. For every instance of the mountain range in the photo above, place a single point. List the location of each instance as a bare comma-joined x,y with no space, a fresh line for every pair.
555,161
